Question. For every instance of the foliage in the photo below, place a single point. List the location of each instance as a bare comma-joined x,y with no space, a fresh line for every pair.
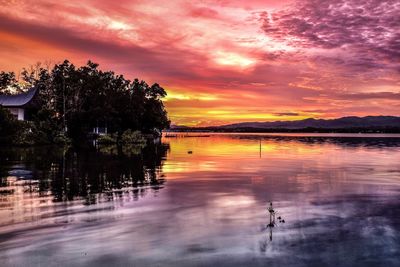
62,139
129,137
133,149
127,149
129,143
8,83
26,136
9,126
107,139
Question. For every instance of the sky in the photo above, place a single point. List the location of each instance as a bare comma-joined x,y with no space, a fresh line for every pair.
224,61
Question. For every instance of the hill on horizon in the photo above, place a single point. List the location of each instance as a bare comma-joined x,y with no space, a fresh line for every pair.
344,122
339,123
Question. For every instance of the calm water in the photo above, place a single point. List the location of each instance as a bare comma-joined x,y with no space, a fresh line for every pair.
201,201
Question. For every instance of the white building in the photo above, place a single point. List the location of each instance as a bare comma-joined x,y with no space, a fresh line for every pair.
19,104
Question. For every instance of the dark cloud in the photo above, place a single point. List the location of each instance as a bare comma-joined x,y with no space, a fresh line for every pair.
368,31
371,95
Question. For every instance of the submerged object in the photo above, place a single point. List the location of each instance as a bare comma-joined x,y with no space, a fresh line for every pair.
190,152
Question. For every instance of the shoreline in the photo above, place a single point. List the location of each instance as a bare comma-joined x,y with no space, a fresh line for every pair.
174,134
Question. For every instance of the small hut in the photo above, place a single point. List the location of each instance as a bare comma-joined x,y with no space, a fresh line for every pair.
19,105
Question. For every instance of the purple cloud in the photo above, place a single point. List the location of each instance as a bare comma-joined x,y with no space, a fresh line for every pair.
367,31
372,95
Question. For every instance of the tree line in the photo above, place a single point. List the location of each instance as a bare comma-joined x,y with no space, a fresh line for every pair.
73,100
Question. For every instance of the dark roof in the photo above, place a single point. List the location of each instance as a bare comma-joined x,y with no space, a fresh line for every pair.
18,100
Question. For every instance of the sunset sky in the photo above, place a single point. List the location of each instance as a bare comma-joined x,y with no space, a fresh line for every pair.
224,61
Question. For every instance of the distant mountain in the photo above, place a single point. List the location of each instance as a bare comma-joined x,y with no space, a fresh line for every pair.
341,123
178,127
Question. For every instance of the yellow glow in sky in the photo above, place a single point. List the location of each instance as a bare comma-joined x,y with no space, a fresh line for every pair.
233,59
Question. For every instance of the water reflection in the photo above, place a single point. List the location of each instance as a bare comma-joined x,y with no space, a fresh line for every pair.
339,198
32,178
351,140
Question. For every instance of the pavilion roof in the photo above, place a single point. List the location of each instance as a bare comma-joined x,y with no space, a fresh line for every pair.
18,100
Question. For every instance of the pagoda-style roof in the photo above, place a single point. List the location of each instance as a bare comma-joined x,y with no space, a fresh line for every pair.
19,100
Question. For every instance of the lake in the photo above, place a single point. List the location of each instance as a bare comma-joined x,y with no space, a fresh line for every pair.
201,200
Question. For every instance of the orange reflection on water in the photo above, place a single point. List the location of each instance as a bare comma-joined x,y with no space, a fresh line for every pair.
192,152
